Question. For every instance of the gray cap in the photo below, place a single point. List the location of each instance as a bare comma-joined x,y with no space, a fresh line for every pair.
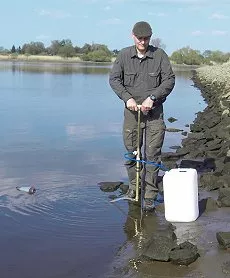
142,29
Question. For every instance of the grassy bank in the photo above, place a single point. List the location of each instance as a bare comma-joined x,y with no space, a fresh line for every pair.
50,59
39,58
218,76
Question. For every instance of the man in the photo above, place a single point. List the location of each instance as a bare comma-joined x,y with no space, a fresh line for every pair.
142,75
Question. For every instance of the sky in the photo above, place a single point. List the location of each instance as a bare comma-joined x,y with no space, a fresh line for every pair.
199,24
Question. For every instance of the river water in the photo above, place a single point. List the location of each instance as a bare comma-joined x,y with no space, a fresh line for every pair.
61,132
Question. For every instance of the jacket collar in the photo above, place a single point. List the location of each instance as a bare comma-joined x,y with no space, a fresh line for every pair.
149,53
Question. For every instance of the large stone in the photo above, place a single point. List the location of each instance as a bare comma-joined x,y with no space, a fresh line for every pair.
159,246
109,186
223,199
209,181
184,254
223,239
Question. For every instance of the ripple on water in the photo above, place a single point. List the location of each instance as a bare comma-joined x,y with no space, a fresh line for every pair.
68,212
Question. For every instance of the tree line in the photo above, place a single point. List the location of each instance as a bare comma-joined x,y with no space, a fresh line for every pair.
100,52
64,48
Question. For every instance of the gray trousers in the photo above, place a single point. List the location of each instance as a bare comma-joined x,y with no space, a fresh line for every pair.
152,133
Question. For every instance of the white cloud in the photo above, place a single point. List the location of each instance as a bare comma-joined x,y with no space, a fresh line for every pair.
197,33
158,14
54,14
111,21
107,8
219,33
218,16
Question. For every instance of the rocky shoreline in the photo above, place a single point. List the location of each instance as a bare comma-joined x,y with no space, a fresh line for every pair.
208,142
207,149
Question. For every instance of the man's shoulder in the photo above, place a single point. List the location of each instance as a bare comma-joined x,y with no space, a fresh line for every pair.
127,50
156,50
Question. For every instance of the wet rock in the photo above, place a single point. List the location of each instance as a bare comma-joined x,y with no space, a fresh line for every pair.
184,254
226,267
181,152
207,204
213,145
184,133
223,199
200,164
195,128
223,181
169,164
112,197
223,239
211,204
124,188
170,156
159,246
171,129
171,119
175,147
209,181
197,136
109,186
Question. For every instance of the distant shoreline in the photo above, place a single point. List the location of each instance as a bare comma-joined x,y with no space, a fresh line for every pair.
59,59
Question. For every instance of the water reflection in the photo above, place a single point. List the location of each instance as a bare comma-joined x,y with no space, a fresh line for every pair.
61,131
60,68
138,231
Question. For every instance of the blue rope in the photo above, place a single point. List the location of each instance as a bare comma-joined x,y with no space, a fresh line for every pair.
160,165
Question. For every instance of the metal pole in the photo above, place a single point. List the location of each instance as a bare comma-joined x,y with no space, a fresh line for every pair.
138,156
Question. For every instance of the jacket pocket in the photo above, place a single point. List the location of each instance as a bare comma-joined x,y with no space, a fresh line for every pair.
129,78
153,80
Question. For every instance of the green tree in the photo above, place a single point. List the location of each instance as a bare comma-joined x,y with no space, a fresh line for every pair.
54,47
66,51
13,49
33,48
77,49
97,56
187,56
86,48
218,57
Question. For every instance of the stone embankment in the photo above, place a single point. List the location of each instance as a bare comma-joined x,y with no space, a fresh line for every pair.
209,138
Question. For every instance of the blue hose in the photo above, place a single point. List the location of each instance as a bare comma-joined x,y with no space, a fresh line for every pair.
160,165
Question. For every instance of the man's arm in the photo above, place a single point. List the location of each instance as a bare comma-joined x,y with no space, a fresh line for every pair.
167,79
116,80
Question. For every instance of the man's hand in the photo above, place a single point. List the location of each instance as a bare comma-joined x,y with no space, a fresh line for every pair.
131,104
147,105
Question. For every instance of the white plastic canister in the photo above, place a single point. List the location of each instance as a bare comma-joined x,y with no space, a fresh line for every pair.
181,195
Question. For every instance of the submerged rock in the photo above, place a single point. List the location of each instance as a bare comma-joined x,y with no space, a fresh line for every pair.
172,119
109,186
171,129
124,188
175,147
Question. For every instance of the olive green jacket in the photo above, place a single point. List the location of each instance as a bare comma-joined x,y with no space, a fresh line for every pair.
132,77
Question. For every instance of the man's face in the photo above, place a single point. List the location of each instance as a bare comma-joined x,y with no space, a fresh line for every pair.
141,43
